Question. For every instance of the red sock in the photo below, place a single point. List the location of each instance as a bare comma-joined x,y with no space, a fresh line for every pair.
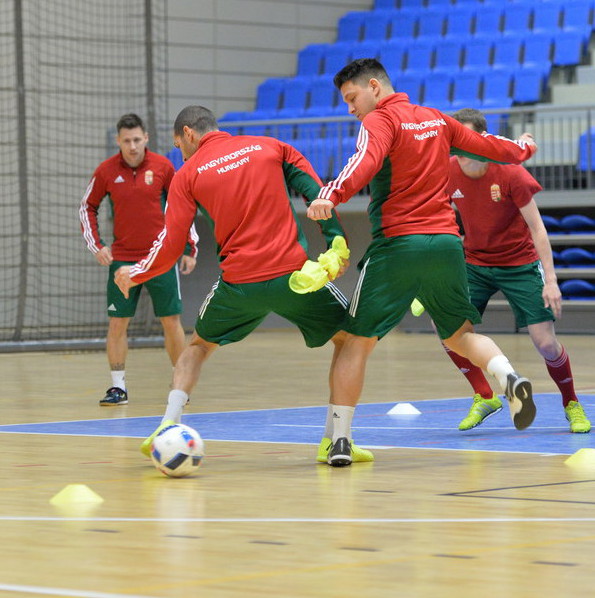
561,374
474,374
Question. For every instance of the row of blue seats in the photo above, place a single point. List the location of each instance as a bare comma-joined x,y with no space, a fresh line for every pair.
571,224
544,50
489,20
573,257
577,289
318,96
415,4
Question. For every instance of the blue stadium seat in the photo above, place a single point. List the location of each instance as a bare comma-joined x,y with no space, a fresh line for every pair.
517,18
548,17
376,25
488,21
507,53
323,97
586,151
568,48
403,24
477,54
537,51
431,23
175,156
459,21
437,87
558,261
305,130
411,84
552,224
444,4
349,28
386,4
420,55
578,17
466,90
577,289
365,49
413,4
336,56
269,98
295,97
577,256
310,60
528,85
448,55
497,89
391,56
577,223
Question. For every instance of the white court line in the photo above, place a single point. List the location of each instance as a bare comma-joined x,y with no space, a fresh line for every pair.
5,587
299,520
400,428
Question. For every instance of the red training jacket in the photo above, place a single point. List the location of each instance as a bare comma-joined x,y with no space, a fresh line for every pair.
138,197
240,184
403,152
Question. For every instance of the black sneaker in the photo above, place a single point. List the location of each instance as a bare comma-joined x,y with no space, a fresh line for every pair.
114,396
520,400
340,453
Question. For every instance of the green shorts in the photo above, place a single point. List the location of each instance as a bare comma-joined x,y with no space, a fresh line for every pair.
396,270
164,291
521,285
231,311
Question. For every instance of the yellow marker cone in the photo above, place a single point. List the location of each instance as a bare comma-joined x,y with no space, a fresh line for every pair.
75,494
584,457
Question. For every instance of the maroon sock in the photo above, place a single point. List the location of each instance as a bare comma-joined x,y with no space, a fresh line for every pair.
561,374
474,374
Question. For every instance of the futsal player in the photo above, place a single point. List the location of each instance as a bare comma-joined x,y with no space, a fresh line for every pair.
240,184
507,249
416,251
136,181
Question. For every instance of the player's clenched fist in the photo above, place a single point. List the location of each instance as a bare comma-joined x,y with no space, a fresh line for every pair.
320,209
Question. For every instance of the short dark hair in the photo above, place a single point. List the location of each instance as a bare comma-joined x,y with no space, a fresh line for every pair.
360,70
198,118
131,121
473,117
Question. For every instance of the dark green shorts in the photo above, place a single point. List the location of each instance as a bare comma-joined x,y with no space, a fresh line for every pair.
164,291
231,311
394,271
521,285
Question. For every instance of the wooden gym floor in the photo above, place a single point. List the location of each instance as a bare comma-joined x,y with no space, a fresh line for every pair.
263,518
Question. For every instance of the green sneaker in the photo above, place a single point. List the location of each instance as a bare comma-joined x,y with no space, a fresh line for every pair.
579,424
480,411
145,447
358,455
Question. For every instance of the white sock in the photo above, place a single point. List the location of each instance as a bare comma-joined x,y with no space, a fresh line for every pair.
500,367
175,405
118,379
328,426
342,417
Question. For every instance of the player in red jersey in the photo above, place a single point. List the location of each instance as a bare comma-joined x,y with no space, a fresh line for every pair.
507,249
403,152
240,184
136,181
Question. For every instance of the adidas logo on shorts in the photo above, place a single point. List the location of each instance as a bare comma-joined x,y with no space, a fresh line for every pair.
457,194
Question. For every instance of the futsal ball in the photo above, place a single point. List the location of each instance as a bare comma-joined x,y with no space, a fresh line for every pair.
177,451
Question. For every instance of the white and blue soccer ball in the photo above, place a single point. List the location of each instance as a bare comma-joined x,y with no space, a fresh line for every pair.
177,451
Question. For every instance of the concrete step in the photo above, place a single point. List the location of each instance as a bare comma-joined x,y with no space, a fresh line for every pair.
585,75
573,94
